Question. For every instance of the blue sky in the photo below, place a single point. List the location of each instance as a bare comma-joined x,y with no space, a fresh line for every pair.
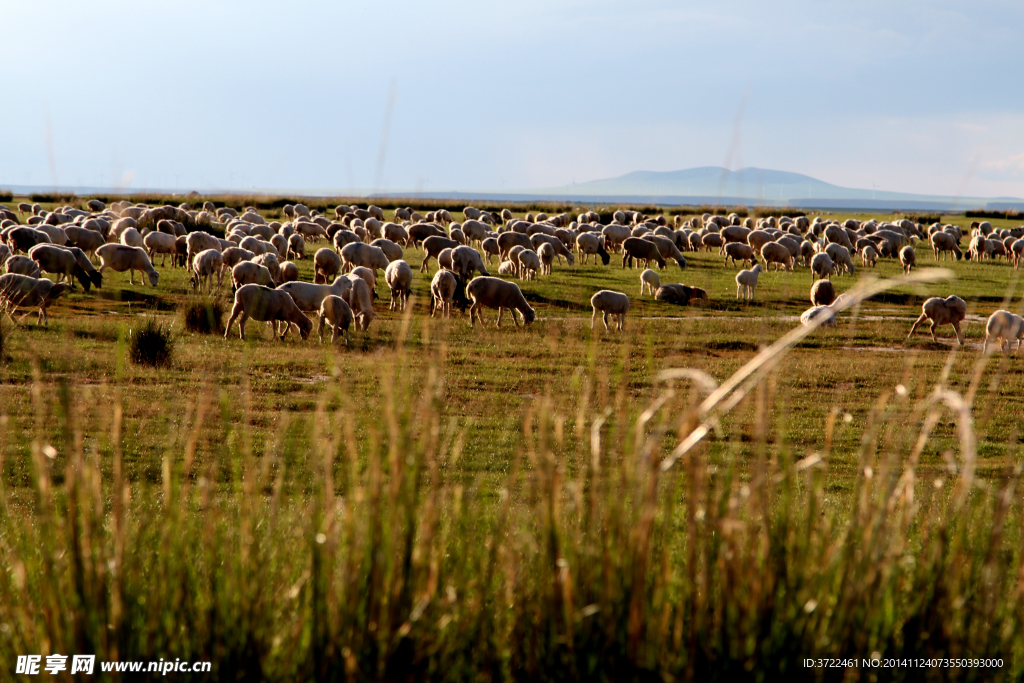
921,97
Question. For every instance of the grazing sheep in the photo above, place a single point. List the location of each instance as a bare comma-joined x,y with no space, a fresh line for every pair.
822,266
679,294
365,255
256,246
157,243
746,282
823,293
819,311
507,268
366,275
23,239
326,265
490,247
309,296
338,313
868,255
712,240
22,290
57,235
85,239
360,297
1003,325
343,238
546,253
392,250
249,273
398,275
737,251
201,241
466,261
840,256
121,258
650,281
773,252
509,240
492,292
611,303
205,265
943,242
61,262
296,247
287,272
949,311
432,247
22,265
529,264
442,292
908,258
589,243
266,305
559,250
641,249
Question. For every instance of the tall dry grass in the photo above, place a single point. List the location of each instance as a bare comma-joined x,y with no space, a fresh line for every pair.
616,549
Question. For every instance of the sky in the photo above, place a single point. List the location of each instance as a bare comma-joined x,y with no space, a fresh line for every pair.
388,96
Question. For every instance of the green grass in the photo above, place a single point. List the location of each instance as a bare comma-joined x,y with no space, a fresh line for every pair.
489,501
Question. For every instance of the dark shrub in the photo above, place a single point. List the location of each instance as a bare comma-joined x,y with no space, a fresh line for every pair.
204,316
150,344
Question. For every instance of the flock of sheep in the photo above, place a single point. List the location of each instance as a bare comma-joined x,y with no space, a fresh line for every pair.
358,243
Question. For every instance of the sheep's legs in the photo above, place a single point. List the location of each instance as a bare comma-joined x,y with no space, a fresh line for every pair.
498,324
916,323
593,319
320,330
604,319
960,336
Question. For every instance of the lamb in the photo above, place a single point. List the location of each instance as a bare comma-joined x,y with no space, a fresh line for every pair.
442,291
746,282
738,251
22,290
822,266
679,294
338,313
121,258
296,247
132,238
773,252
360,298
949,311
814,312
650,281
249,273
492,292
822,293
611,303
206,264
266,305
398,275
61,262
507,268
326,265
366,275
158,243
641,249
840,256
908,258
943,242
308,296
546,253
588,243
529,264
1003,325
868,255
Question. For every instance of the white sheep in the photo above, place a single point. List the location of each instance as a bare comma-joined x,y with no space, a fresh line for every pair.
205,265
21,290
546,253
338,313
158,243
266,305
949,311
840,256
442,292
492,292
1003,325
819,311
360,297
822,266
249,273
398,275
326,265
615,304
296,247
909,259
132,238
121,258
529,264
746,282
650,281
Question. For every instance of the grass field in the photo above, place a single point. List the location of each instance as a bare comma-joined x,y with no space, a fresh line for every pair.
446,502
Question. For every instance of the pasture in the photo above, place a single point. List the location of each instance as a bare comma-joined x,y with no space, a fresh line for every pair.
440,501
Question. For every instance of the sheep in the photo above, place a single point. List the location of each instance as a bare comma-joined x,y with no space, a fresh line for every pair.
121,258
737,251
746,282
823,293
398,275
475,231
608,303
712,240
558,247
256,246
266,305
432,247
908,258
61,262
286,272
23,238
85,239
360,298
1003,325
296,247
366,275
840,256
679,294
56,235
529,264
201,241
392,250
808,316
326,265
157,243
442,292
338,313
641,249
868,255
822,266
588,243
23,265
650,281
943,242
508,240
507,268
466,261
232,256
546,253
343,238
248,273
773,252
22,290
979,247
308,296
205,264
490,247
615,235
492,292
948,311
